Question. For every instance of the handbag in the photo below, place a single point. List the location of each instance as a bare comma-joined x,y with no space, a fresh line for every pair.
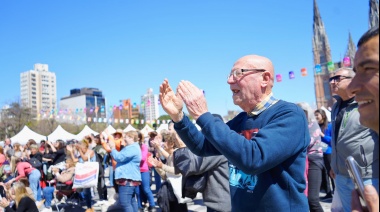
86,174
176,183
35,163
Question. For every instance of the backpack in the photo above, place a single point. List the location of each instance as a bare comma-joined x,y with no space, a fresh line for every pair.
35,163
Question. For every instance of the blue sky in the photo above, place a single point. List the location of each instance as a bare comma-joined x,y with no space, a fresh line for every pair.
124,47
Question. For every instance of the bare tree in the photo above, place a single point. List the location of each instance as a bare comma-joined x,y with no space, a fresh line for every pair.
13,119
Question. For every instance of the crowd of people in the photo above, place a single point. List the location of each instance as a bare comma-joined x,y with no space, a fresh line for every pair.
273,156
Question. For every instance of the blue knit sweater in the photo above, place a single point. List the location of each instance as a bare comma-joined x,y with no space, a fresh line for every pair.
267,163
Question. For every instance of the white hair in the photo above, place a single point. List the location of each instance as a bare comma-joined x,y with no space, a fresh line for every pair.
310,113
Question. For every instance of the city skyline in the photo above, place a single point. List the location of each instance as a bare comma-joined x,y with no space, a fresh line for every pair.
136,45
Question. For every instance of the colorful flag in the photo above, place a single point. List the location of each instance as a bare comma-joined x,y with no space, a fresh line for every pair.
303,72
291,75
278,77
347,62
330,66
318,69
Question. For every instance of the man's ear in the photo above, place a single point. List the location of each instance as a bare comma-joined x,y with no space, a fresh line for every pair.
266,79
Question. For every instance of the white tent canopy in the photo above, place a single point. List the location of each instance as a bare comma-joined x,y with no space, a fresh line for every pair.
146,130
25,134
86,131
129,128
110,130
162,127
60,133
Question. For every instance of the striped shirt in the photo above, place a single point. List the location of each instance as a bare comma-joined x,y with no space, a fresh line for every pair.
263,105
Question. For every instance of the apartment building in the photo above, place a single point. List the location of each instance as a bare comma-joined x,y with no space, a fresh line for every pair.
38,88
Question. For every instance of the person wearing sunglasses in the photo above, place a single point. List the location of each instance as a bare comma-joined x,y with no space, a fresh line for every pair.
265,144
348,138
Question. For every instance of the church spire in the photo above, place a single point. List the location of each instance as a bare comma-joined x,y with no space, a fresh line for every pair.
321,46
322,56
373,13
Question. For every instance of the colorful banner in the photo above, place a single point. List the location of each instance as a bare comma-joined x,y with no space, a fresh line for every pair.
330,66
347,62
278,78
318,69
291,75
303,72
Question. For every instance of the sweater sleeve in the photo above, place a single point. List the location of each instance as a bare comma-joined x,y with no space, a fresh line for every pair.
20,170
161,172
9,209
285,135
327,132
169,169
123,155
194,139
210,163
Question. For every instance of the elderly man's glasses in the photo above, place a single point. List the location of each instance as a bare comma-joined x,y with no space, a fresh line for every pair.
338,78
238,73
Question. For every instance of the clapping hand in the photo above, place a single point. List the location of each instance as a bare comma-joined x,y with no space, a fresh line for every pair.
155,162
4,202
69,148
171,102
194,99
111,144
156,143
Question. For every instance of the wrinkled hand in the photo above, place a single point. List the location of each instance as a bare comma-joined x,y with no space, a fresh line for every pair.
156,143
193,97
155,162
171,102
371,196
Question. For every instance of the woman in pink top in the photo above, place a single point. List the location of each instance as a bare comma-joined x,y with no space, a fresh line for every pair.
145,175
24,169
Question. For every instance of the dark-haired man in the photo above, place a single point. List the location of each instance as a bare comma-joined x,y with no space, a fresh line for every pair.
365,87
